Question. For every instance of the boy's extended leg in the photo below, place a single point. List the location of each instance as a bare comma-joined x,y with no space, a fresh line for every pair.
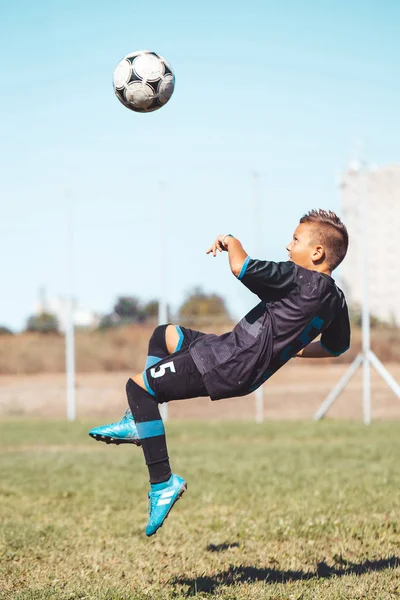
175,377
165,487
165,340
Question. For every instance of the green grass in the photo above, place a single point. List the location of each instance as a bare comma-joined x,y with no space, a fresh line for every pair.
284,511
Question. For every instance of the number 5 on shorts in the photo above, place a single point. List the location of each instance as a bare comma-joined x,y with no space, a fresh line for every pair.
161,370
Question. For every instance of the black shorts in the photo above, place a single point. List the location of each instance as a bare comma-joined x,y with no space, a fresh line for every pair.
176,377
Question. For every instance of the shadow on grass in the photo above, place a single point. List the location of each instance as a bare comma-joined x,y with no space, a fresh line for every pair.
248,574
222,547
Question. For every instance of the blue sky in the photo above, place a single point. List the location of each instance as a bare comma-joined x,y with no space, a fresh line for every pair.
286,89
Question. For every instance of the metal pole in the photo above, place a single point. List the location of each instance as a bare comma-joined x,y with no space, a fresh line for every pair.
366,390
329,400
366,340
259,393
162,302
366,356
386,376
69,328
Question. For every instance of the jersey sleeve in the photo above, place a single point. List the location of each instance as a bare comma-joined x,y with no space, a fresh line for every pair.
260,276
336,337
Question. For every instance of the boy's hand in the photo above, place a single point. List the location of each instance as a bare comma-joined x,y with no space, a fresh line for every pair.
218,245
226,242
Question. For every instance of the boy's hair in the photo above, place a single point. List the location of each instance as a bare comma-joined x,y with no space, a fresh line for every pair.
331,233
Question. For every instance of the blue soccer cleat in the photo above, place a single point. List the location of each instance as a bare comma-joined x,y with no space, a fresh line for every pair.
121,432
162,497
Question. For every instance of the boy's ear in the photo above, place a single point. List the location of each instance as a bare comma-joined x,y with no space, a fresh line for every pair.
318,253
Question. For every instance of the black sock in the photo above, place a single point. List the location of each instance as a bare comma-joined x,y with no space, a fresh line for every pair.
151,431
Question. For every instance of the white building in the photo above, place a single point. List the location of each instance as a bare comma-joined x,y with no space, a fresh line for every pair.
59,307
382,193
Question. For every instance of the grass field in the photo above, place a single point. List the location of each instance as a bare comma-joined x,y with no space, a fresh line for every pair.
284,511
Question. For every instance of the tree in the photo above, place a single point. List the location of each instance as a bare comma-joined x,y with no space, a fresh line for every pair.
108,321
5,330
43,323
128,308
150,309
198,304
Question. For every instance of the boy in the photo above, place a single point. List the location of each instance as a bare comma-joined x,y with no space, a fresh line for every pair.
299,301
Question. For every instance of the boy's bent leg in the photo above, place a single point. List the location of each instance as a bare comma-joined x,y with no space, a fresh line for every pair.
125,431
166,487
165,340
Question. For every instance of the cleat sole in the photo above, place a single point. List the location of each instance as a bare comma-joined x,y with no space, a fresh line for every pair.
107,440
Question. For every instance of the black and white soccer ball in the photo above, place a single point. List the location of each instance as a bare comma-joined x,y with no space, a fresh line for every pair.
144,81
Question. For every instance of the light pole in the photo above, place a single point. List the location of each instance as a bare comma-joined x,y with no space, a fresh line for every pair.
69,327
162,301
259,393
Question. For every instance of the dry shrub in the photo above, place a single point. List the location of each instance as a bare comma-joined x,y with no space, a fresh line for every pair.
125,349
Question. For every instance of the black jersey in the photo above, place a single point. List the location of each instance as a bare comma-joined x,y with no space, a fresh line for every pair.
296,306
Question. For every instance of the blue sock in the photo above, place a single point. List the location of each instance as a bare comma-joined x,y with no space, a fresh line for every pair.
157,487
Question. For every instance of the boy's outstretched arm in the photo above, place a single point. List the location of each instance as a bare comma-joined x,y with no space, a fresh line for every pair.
230,244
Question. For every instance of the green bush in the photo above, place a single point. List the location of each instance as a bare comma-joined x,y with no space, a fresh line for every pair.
5,330
200,304
109,321
43,323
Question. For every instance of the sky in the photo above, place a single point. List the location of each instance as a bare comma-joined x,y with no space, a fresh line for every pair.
98,201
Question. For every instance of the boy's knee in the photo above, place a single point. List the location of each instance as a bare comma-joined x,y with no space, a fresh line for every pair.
157,342
171,338
159,332
165,337
138,379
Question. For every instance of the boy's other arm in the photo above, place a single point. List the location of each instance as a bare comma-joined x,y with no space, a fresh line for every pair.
230,244
335,340
314,350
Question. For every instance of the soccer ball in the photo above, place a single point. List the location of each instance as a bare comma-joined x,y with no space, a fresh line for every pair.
143,81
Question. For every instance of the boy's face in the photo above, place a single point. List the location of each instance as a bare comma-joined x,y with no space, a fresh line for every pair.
303,250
